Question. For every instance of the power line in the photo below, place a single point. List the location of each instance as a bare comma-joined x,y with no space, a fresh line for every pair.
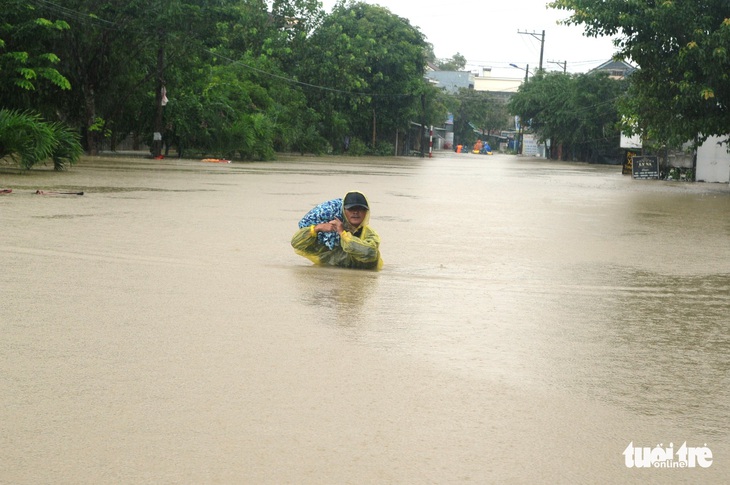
542,42
563,64
75,14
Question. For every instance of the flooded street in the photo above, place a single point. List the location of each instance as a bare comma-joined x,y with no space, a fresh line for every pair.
532,320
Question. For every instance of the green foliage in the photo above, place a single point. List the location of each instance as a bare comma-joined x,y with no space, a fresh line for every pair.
25,63
240,111
371,62
383,149
477,110
24,138
455,63
682,88
249,137
27,140
295,20
436,106
67,148
357,148
576,111
241,81
300,133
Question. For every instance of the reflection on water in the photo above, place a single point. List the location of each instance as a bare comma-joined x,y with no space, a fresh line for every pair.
342,293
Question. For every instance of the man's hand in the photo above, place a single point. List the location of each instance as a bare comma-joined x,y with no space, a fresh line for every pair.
337,224
334,225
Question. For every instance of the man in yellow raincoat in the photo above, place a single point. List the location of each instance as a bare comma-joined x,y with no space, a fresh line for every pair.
337,233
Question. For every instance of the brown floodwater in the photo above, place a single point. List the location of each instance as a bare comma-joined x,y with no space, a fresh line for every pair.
532,320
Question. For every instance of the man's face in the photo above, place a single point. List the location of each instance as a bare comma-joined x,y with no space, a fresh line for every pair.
355,215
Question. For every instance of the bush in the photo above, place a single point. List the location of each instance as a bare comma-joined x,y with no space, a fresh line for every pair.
357,148
383,149
27,140
67,149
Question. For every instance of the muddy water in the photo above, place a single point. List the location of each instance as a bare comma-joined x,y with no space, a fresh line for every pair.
532,319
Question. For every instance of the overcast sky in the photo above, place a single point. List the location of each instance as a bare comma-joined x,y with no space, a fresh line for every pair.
486,33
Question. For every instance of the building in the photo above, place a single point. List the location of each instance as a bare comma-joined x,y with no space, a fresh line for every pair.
451,81
501,88
615,69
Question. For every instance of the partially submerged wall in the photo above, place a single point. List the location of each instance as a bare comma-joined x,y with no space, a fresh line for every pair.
713,161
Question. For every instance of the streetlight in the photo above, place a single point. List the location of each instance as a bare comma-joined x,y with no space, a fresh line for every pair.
527,71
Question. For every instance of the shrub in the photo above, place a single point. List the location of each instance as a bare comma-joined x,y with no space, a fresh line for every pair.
27,140
383,149
357,148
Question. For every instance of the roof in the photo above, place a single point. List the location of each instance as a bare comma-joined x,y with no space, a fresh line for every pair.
615,68
452,81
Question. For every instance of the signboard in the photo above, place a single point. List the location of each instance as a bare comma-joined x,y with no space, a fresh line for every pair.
631,142
529,145
628,167
645,167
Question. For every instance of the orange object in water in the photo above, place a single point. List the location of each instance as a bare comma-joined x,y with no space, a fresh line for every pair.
458,148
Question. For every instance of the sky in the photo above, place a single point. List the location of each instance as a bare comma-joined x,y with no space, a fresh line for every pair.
486,33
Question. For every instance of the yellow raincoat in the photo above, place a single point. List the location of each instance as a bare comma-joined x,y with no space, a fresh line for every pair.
356,247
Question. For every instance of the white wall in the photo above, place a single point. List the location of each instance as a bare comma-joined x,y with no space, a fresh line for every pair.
498,84
713,161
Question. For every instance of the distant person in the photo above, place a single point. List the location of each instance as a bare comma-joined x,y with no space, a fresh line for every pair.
486,149
478,146
337,233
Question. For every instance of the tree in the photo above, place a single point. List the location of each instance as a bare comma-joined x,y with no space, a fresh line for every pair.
27,60
477,110
576,112
28,69
241,81
117,55
243,111
296,20
368,65
682,89
456,63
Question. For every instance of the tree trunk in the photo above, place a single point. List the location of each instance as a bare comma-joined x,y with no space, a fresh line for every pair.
92,136
157,136
374,129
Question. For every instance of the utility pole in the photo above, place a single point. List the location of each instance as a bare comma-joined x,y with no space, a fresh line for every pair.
563,64
542,42
423,124
527,72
